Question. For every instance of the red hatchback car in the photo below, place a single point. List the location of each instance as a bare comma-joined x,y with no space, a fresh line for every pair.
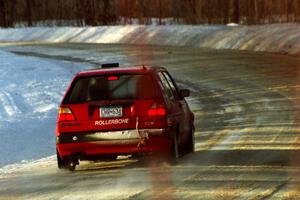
123,111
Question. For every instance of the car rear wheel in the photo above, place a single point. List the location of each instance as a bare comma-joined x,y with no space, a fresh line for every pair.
189,146
69,164
174,151
60,163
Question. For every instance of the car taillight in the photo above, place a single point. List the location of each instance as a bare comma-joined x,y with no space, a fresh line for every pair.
65,114
157,110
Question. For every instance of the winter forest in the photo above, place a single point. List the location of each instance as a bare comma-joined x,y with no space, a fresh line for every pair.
114,12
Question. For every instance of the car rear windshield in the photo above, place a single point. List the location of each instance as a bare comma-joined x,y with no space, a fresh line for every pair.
113,87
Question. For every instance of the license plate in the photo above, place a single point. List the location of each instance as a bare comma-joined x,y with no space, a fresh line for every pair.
111,111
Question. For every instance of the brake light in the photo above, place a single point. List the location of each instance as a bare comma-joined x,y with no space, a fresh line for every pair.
157,110
113,78
65,114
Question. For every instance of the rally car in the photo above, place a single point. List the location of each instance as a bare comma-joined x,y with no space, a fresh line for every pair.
115,111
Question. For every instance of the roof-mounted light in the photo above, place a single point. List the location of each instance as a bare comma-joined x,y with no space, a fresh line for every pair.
110,65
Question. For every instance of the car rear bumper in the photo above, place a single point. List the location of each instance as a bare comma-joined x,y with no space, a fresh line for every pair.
113,143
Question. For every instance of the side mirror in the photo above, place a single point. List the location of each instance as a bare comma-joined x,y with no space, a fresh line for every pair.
184,93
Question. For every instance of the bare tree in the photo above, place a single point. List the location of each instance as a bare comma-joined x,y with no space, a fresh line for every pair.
3,17
104,12
29,4
236,11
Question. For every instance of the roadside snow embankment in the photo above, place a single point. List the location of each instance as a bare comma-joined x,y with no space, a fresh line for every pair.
30,91
277,38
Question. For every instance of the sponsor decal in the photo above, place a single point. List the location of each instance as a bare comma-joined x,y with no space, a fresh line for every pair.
111,122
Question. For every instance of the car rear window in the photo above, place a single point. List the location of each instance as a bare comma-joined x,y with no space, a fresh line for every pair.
113,87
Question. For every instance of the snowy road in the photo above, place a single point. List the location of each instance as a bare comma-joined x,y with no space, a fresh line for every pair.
247,115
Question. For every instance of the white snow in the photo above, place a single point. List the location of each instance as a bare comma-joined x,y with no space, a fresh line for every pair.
232,24
11,168
30,92
279,38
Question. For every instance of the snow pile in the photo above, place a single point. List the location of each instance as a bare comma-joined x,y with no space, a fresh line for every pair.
30,92
280,38
12,168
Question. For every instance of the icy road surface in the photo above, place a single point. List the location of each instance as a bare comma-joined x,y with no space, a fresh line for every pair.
247,115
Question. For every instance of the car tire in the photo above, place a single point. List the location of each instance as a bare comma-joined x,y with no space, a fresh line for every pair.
60,162
174,151
67,164
190,144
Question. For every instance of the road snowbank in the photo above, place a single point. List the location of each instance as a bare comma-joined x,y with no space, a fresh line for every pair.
277,38
30,91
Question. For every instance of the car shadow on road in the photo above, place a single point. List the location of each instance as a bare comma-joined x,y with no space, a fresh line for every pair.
207,158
